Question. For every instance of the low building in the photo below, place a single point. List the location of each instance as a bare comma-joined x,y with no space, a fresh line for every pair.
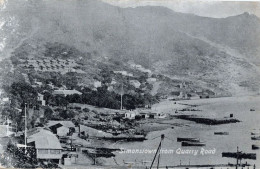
66,92
135,83
144,115
47,146
131,114
151,80
97,84
110,88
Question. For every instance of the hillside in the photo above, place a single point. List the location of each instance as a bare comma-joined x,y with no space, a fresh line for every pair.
215,53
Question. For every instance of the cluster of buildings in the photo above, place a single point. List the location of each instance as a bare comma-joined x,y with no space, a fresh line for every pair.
140,68
51,65
47,141
144,115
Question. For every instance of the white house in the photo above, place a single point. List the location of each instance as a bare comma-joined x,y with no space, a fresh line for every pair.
97,84
131,114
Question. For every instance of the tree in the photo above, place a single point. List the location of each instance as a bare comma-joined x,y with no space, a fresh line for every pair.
24,93
75,98
48,112
61,101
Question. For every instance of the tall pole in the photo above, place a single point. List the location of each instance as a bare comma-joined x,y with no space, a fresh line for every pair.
237,159
25,126
121,96
158,151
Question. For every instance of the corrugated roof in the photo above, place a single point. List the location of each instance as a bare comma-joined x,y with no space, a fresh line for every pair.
66,92
44,139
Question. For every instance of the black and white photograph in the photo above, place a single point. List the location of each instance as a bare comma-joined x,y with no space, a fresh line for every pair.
130,84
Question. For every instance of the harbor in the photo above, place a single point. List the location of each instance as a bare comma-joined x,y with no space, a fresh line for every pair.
239,133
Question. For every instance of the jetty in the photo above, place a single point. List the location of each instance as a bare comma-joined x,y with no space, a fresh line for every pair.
207,121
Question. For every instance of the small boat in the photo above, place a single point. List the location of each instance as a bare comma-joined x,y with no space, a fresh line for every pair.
239,155
193,144
221,133
252,109
98,153
253,133
255,147
180,139
255,138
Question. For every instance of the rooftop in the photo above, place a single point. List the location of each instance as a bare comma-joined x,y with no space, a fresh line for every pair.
63,123
66,92
45,139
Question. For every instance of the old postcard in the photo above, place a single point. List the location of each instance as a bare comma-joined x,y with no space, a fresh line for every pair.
117,84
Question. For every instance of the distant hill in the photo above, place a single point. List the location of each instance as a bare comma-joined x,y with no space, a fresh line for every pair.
209,51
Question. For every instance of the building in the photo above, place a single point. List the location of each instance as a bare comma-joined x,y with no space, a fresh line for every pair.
61,128
66,92
40,99
135,83
144,115
131,114
110,88
97,84
51,65
63,131
62,123
124,73
47,146
6,129
151,80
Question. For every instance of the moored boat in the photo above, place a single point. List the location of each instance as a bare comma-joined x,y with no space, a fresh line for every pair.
192,144
239,155
255,147
180,139
221,133
255,138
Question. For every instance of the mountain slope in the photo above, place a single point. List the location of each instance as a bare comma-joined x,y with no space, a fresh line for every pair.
175,44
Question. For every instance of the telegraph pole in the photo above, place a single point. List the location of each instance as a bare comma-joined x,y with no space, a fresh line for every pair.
121,97
158,151
237,158
25,140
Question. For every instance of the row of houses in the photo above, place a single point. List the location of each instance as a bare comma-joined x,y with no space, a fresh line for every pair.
55,65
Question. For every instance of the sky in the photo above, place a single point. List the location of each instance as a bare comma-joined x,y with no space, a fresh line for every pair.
216,8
